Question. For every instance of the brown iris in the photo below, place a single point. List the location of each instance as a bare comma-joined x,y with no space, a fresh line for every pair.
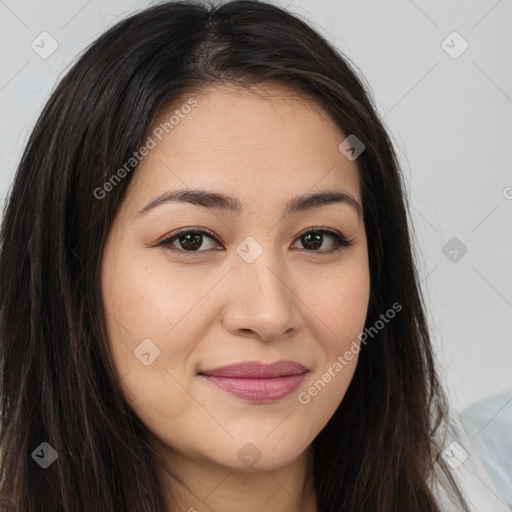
312,238
192,242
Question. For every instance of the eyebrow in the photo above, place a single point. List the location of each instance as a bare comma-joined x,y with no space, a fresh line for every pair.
218,201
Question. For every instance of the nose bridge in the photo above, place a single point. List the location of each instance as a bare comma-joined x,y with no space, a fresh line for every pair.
261,297
261,270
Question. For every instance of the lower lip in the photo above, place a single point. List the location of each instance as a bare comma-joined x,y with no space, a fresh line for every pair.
258,390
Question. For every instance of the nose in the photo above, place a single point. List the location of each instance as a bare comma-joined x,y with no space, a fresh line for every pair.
262,301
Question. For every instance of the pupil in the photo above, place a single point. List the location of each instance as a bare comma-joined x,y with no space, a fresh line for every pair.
192,240
316,243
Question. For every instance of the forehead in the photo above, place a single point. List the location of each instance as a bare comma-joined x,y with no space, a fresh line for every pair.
271,139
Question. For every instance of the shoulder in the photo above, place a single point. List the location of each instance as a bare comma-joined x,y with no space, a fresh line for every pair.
460,455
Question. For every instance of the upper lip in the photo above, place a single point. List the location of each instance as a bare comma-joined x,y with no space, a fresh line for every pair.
257,370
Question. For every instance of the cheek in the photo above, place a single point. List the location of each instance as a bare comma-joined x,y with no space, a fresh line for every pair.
344,312
146,300
322,395
147,314
156,316
340,308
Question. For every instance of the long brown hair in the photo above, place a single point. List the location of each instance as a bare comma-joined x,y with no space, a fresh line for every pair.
58,384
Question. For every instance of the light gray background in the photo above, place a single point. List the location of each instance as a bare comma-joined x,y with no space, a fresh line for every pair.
450,118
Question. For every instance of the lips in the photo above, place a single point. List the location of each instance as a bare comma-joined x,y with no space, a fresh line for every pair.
257,381
257,370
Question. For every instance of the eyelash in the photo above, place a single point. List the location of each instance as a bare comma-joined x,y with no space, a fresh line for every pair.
340,242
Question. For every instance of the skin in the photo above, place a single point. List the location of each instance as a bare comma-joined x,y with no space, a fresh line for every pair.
210,308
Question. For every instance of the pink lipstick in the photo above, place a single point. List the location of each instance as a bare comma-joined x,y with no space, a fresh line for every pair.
257,381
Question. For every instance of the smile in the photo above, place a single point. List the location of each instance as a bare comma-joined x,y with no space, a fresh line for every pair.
256,381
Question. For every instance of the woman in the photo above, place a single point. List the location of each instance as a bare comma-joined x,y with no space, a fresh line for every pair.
209,299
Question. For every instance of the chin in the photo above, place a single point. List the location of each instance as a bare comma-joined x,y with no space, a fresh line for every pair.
257,456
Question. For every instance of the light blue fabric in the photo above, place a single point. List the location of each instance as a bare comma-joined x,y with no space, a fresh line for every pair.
489,425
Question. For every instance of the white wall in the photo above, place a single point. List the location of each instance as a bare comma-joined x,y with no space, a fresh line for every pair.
450,118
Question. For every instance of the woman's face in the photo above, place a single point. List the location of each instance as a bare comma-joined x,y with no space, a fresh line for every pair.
259,285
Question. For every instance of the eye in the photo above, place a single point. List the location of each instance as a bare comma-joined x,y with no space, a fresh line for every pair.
189,240
313,238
